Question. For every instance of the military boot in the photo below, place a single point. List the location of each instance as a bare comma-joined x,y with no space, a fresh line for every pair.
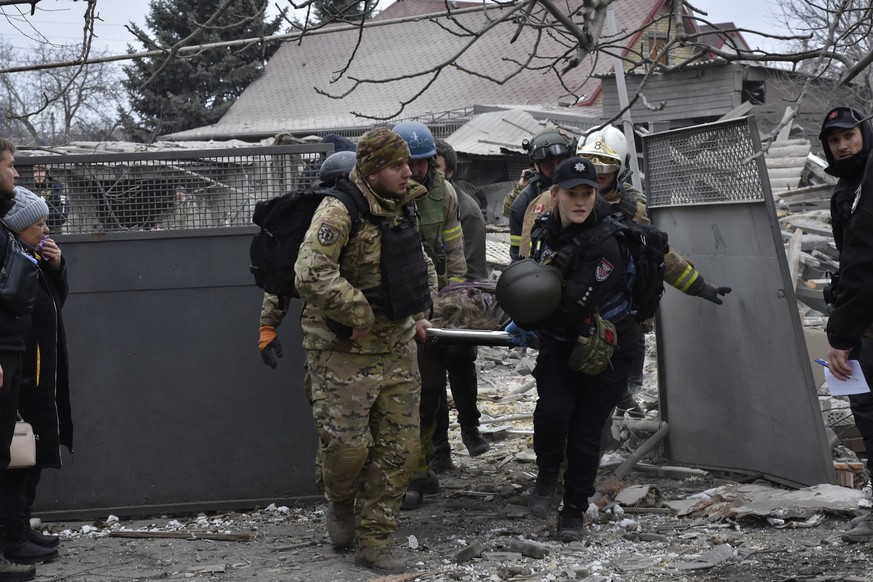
862,532
10,572
474,441
571,522
379,559
341,523
540,501
421,483
442,457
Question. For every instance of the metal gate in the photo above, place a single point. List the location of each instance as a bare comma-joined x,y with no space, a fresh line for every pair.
735,380
173,408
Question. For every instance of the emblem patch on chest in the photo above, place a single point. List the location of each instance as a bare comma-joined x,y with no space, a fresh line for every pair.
604,268
327,235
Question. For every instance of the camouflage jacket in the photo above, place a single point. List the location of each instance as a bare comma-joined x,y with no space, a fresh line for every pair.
332,270
273,311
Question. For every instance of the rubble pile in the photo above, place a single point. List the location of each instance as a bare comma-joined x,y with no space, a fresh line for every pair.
660,521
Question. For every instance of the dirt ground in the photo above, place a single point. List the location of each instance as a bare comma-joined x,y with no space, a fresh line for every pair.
478,527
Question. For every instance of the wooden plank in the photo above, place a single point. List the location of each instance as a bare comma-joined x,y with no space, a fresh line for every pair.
809,228
778,151
818,191
798,162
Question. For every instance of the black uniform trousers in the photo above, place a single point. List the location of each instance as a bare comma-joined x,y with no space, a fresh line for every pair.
13,496
460,364
569,415
11,362
862,404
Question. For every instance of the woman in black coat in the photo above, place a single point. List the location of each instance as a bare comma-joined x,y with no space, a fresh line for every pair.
45,396
577,386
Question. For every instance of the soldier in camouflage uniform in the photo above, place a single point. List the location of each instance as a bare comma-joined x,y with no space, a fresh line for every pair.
374,288
442,236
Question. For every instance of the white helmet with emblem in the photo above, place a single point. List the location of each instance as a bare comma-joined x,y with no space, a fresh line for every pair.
606,148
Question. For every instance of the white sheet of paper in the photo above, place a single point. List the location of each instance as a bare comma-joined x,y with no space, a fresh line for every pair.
857,384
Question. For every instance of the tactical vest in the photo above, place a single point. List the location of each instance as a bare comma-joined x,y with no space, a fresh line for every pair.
404,289
616,306
431,222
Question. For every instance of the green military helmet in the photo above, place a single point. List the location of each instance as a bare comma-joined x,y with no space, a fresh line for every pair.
529,292
546,145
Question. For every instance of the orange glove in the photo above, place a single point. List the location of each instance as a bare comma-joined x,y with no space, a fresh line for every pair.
267,335
271,349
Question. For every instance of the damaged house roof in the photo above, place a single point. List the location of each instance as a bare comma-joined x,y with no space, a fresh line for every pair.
287,97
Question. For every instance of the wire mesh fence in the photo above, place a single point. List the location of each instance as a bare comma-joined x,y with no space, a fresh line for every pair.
165,190
705,164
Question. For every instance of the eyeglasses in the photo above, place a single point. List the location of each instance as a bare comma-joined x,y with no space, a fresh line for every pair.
550,151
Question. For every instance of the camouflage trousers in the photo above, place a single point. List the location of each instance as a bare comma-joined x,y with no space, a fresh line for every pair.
365,409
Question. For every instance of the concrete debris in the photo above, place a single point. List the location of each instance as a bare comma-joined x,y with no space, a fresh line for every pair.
738,501
639,495
529,549
470,552
709,559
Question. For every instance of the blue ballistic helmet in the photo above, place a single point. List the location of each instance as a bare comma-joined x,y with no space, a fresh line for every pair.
419,139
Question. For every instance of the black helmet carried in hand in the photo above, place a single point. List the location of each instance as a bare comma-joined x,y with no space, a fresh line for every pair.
529,292
336,166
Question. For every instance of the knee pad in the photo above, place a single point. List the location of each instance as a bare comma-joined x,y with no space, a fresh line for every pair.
342,464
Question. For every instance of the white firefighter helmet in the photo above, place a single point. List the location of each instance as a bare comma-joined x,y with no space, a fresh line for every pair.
606,148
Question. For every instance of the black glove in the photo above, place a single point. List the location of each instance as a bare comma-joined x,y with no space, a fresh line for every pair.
711,293
271,353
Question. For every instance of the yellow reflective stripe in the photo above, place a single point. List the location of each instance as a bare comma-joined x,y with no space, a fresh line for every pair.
691,274
452,233
37,364
456,279
515,239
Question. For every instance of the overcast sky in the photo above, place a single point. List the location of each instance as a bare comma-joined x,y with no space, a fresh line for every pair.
60,21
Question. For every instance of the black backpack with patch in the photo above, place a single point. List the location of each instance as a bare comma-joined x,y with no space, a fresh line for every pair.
647,245
284,221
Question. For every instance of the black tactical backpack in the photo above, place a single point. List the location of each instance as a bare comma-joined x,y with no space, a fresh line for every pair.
646,244
284,221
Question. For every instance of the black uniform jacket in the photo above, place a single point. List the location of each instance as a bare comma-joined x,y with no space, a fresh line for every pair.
595,275
852,225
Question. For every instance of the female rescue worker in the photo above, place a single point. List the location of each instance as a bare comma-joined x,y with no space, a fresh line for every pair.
587,337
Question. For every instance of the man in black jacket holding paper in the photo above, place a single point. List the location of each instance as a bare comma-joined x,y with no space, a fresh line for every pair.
847,140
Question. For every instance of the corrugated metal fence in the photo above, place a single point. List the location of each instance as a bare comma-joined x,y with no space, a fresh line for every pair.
173,408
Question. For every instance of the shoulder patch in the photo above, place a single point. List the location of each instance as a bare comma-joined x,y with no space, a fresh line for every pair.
328,235
604,268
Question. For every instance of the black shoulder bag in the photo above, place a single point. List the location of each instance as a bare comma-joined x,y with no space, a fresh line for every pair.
19,277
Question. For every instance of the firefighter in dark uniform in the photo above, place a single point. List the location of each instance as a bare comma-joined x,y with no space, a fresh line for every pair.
847,140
